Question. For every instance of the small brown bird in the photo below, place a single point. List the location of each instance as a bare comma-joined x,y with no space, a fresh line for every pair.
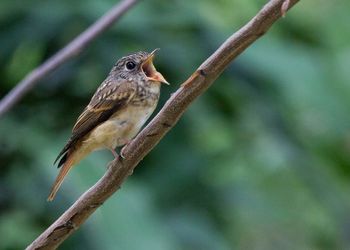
116,112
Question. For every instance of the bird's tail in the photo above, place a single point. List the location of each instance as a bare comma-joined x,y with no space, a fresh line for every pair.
68,164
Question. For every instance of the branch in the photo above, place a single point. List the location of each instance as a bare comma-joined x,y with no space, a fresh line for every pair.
71,50
148,138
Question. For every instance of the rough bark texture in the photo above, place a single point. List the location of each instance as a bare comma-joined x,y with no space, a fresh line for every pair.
71,50
134,152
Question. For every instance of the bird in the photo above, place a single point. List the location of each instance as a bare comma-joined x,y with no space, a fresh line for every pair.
117,111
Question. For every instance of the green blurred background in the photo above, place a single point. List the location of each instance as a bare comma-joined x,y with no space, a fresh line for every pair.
260,161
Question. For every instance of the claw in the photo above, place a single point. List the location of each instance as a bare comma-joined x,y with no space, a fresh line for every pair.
122,150
122,153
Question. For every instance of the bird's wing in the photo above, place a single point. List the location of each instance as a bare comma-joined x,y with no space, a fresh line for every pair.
108,99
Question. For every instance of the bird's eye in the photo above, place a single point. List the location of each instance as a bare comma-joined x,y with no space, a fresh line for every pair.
130,65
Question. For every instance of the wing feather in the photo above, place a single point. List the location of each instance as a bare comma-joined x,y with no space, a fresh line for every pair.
108,99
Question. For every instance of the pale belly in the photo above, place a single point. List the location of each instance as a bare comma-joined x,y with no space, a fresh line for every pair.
120,129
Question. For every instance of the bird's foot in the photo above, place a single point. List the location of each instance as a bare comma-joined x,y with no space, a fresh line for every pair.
122,150
122,153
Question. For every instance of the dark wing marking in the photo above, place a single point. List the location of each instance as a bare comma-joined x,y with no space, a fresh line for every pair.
106,101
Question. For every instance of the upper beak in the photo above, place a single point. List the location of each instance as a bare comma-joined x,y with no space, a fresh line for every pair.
150,71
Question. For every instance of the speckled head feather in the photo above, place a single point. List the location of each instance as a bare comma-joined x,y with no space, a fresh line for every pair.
121,69
137,58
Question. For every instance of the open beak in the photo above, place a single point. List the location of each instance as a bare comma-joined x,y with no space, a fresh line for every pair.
150,71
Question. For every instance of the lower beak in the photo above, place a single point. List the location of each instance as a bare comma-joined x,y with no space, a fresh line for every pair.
150,71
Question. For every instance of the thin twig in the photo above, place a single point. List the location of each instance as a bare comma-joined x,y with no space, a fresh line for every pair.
134,152
71,50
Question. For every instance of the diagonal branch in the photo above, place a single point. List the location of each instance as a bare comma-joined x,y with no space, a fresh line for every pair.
71,50
148,138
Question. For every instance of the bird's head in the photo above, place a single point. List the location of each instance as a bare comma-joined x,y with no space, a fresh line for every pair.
138,65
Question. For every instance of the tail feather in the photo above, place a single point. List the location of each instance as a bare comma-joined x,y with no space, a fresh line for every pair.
62,160
68,164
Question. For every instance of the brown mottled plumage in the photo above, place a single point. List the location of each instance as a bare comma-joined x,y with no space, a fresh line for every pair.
116,112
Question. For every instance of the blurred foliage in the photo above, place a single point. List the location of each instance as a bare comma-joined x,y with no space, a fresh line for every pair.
260,161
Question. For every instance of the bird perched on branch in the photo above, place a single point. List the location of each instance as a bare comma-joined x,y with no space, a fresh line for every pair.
116,112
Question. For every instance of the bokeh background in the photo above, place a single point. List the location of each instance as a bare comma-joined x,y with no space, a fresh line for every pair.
260,161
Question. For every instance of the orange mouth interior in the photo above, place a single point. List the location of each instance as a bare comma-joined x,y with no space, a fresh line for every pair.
150,71
148,68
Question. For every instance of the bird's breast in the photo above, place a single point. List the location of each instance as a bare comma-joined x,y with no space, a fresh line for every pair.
134,116
122,126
